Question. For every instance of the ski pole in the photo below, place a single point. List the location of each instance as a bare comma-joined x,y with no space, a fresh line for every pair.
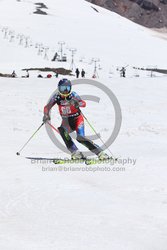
18,153
97,134
53,127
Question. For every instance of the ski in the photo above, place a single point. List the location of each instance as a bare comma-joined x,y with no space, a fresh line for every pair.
68,160
87,161
55,160
40,158
92,161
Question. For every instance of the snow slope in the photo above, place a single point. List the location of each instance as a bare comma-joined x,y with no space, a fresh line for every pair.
46,208
104,35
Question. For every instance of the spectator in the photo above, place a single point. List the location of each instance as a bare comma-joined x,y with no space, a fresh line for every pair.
83,73
77,73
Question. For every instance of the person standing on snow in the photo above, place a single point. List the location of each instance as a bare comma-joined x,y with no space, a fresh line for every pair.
77,73
83,73
123,72
69,104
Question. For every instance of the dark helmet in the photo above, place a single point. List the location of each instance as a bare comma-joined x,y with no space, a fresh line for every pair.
64,87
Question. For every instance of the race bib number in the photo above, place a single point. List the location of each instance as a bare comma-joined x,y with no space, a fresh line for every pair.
65,110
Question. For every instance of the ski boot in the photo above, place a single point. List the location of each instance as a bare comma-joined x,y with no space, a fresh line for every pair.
77,155
103,156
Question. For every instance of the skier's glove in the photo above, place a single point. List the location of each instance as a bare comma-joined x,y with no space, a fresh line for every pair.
46,118
75,103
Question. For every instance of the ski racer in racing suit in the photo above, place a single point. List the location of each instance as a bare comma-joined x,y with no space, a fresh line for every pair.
69,104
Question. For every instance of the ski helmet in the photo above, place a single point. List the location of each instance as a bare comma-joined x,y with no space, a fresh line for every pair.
64,87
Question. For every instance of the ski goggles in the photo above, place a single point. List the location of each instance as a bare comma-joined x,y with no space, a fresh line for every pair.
64,89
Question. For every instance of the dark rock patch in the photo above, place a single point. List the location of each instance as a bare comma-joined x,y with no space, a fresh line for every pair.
94,9
149,13
41,5
60,71
39,8
39,11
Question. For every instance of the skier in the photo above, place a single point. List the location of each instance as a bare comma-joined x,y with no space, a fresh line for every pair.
123,71
69,104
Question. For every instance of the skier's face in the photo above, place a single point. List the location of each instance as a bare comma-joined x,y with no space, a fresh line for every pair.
65,90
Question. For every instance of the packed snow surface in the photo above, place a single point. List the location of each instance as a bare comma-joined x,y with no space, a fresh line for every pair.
44,206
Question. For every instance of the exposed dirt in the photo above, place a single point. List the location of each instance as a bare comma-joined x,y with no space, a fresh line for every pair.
149,13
